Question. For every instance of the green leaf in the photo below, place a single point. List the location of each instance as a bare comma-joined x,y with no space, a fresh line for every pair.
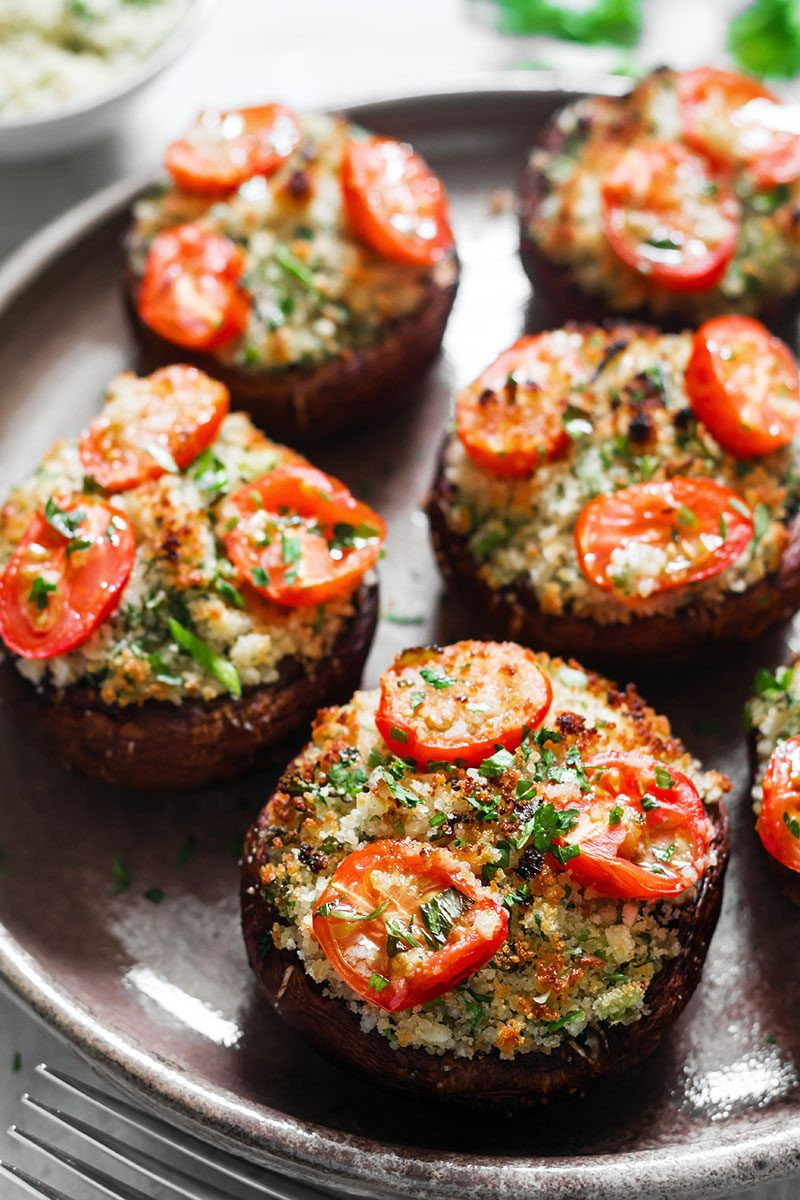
792,824
497,763
292,265
663,778
765,38
65,523
260,577
210,473
40,593
436,678
201,652
154,895
440,913
616,22
163,457
378,982
761,521
121,877
554,1026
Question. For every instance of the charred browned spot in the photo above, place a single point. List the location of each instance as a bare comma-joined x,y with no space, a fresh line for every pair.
486,397
298,185
315,860
641,428
170,547
570,723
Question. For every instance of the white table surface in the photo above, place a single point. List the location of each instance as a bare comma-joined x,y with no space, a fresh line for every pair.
307,53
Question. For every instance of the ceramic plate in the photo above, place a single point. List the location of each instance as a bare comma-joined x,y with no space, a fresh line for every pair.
160,997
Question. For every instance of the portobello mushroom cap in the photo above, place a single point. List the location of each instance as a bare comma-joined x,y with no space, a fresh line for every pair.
159,746
312,403
558,297
665,641
487,1080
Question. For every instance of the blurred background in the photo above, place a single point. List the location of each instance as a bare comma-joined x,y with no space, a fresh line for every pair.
331,52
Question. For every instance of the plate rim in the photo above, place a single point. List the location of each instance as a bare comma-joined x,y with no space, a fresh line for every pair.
291,1146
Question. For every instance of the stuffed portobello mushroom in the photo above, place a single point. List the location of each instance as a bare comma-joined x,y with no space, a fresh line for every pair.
773,715
492,881
178,592
304,262
624,494
681,199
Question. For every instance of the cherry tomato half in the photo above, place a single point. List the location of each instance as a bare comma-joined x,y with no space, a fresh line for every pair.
668,534
641,830
511,419
65,576
743,385
190,290
402,923
176,414
395,203
668,217
778,824
301,538
223,149
461,702
735,120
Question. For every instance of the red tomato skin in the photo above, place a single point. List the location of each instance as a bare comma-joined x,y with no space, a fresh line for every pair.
392,721
184,440
103,588
307,492
700,275
600,865
596,525
715,400
778,164
521,459
781,794
190,291
368,180
454,963
270,134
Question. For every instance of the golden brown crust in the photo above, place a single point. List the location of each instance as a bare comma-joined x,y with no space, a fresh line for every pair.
669,641
166,747
309,404
486,1081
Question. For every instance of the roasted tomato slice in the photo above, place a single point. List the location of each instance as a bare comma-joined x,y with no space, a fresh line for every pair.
511,419
153,425
223,149
190,291
461,702
301,538
735,120
395,203
743,385
403,923
653,537
778,824
641,831
65,576
668,217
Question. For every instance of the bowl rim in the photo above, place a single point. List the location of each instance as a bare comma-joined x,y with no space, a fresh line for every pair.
349,1163
176,43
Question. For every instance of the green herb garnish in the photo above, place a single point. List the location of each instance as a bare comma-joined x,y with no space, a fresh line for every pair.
201,652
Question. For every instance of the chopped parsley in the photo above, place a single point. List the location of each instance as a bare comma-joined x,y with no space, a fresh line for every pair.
349,537
154,895
260,577
121,877
163,457
210,473
663,779
40,592
649,801
436,678
204,656
792,824
499,762
399,938
614,816
545,829
378,982
440,913
341,913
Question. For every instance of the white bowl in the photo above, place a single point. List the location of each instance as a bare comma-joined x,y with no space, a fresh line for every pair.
44,134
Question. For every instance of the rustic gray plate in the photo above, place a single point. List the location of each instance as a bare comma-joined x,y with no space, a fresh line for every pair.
160,996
